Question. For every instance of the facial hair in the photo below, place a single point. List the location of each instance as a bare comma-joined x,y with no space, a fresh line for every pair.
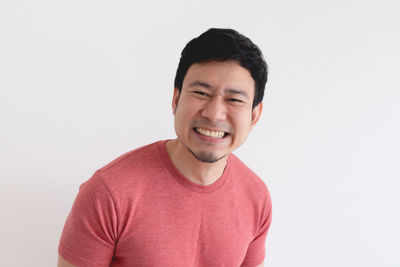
205,157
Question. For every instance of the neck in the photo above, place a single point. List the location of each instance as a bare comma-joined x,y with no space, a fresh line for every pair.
196,171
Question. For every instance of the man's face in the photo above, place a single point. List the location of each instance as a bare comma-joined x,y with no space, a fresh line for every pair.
213,113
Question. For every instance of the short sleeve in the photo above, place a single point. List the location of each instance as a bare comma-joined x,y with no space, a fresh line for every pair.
256,250
90,231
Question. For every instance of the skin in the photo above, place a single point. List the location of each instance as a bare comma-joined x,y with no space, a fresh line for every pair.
63,262
215,96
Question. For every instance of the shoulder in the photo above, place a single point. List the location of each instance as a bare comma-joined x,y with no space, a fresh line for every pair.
145,158
128,172
248,182
135,158
247,176
248,186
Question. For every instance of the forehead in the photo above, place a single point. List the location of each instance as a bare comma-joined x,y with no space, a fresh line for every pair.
221,75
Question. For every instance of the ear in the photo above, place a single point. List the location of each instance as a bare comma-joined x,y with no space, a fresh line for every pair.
175,100
256,113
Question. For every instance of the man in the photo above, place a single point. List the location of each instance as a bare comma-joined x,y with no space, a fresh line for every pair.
187,201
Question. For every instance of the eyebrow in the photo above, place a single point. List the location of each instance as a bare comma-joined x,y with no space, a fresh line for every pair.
239,92
229,91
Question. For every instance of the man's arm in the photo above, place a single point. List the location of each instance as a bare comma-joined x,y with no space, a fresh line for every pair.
261,265
90,231
63,262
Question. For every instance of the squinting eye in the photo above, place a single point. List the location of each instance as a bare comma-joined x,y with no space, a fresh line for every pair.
235,100
200,93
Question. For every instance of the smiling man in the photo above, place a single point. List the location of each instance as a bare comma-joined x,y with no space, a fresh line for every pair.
187,201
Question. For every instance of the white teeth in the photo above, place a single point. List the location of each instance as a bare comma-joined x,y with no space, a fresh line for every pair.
214,134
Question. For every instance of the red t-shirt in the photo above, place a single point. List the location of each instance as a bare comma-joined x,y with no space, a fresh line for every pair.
139,210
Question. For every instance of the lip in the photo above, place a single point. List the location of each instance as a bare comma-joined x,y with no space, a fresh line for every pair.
213,129
209,139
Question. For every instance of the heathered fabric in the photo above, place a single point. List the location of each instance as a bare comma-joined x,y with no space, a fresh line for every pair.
139,210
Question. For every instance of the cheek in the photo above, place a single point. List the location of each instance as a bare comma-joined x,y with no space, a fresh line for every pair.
184,113
242,121
188,108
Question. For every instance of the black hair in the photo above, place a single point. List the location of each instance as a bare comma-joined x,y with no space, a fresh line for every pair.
221,45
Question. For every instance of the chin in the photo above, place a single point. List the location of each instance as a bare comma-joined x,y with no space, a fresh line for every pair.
206,157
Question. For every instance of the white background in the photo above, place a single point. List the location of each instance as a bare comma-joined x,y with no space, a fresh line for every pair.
85,81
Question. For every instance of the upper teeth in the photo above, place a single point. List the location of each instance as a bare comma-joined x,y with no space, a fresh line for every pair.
215,134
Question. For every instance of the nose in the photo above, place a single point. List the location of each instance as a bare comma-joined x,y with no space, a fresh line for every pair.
214,109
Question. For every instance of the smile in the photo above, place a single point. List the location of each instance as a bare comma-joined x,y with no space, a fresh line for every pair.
214,134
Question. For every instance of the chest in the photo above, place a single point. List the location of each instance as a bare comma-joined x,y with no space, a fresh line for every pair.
185,230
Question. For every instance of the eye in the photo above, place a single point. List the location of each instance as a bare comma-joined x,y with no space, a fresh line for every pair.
200,93
234,100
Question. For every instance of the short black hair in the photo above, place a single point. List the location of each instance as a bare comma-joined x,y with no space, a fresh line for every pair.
221,45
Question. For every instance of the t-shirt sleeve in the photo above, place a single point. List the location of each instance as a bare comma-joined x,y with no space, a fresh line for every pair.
256,250
90,232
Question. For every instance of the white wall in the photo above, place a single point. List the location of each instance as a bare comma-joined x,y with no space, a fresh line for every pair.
82,82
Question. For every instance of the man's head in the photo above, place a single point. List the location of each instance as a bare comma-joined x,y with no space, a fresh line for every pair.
219,87
222,45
